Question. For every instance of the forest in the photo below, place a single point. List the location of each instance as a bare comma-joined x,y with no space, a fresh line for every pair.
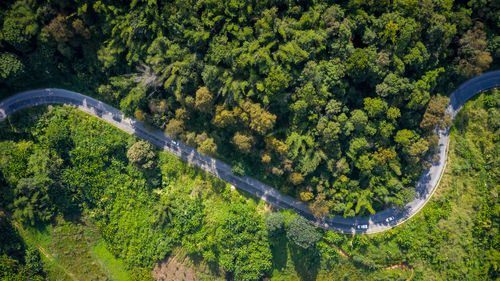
60,167
334,103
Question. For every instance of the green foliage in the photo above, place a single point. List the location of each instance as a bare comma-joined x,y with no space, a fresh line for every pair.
33,261
238,169
134,100
17,262
275,224
243,141
11,68
141,153
11,269
453,236
20,25
302,233
204,100
456,233
316,76
168,205
323,90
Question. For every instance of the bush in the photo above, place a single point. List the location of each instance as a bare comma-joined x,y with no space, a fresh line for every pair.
141,153
302,233
238,169
275,224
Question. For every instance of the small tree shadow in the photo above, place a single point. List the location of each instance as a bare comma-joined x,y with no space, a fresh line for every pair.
305,261
279,250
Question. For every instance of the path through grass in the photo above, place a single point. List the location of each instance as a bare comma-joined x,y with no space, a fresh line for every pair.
73,251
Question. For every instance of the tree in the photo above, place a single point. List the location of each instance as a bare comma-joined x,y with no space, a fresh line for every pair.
418,148
278,146
20,26
243,142
140,115
261,121
238,169
33,261
357,146
60,30
204,100
320,207
266,158
296,178
32,203
393,86
358,118
275,224
142,154
393,113
275,83
421,89
223,117
375,107
329,130
361,63
206,145
474,59
435,113
302,233
404,137
11,68
133,101
174,128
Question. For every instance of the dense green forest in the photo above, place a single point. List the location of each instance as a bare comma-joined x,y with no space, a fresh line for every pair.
60,164
333,102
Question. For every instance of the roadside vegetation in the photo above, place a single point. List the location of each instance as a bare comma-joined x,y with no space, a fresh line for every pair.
106,214
332,102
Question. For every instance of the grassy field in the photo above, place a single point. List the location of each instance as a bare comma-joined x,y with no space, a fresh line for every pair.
73,251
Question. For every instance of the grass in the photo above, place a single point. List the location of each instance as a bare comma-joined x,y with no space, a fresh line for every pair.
113,267
40,238
73,251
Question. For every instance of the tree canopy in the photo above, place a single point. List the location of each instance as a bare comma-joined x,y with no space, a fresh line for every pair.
311,93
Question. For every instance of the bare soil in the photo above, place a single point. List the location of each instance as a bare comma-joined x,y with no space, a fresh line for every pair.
176,268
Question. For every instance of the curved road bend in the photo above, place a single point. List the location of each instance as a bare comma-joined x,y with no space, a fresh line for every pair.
381,221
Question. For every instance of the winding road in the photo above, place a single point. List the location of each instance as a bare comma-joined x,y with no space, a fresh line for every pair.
381,221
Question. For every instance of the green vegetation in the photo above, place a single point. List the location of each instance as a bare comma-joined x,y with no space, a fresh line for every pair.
143,215
332,103
67,251
455,236
340,99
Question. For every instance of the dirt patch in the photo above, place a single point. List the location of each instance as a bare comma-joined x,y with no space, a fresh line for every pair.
175,268
341,252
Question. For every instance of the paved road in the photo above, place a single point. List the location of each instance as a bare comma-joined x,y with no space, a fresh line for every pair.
378,222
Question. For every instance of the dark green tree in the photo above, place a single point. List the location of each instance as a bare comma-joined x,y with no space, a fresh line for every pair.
302,233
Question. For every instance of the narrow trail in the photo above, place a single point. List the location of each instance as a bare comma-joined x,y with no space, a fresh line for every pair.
46,253
401,266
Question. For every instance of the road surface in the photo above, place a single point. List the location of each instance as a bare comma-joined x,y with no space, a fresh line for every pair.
381,221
